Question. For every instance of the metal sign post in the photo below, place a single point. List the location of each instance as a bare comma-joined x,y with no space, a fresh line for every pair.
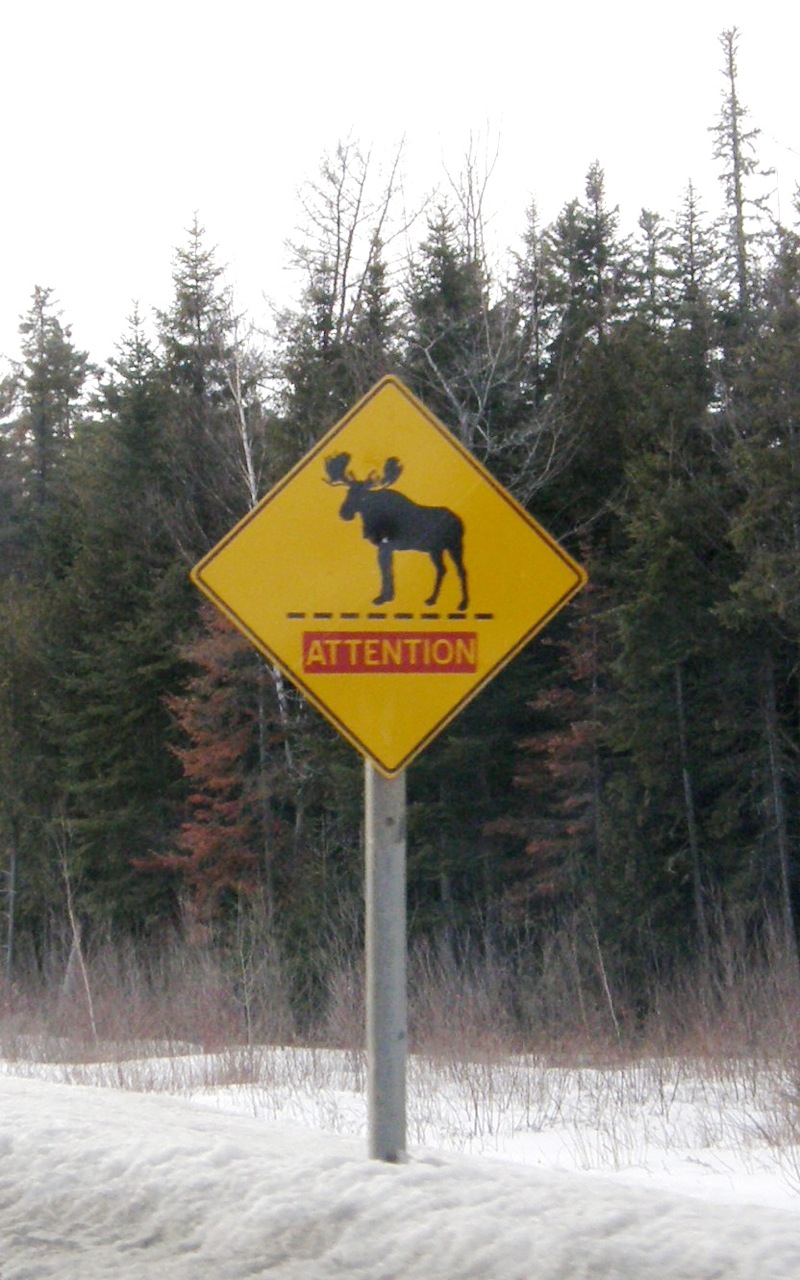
387,1038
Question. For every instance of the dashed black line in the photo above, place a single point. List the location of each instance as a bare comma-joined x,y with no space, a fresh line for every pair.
299,616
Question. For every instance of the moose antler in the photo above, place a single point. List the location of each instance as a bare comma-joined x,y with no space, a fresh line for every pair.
336,469
392,469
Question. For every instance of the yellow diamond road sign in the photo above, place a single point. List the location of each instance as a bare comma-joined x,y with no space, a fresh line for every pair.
389,576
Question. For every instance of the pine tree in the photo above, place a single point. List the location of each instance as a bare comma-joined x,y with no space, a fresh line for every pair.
43,405
653,253
765,448
764,456
112,657
735,148
594,356
538,440
532,287
212,403
27,767
52,380
694,253
756,392
11,501
45,394
591,270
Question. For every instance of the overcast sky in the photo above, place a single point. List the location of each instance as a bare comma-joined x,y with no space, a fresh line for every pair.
122,120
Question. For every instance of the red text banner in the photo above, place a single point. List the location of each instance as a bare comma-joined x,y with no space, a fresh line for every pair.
390,652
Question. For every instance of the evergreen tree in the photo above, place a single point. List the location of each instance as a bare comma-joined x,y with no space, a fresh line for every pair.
764,456
532,289
52,380
215,418
735,148
591,270
43,404
10,504
27,767
676,524
112,658
693,252
538,440
764,418
45,394
756,394
593,359
653,253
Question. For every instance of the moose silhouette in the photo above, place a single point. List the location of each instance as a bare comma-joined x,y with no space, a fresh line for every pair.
392,522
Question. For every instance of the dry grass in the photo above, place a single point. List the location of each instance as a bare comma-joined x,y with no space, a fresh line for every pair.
497,1051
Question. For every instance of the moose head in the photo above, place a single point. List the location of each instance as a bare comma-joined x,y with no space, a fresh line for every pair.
339,473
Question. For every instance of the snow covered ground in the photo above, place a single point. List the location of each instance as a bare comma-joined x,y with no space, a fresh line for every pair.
253,1163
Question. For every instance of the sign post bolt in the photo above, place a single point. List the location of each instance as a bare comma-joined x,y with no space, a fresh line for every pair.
385,830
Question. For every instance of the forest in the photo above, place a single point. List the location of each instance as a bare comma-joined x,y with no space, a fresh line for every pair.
622,804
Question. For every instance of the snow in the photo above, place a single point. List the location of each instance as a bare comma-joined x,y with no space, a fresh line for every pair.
230,1166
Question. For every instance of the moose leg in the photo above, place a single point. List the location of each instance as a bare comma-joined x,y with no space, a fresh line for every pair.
438,559
458,561
387,576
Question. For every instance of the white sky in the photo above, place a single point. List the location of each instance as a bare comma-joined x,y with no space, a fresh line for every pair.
121,120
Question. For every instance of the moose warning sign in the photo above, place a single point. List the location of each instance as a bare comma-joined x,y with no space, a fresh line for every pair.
389,576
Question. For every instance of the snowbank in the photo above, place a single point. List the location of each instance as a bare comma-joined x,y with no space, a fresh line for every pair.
99,1183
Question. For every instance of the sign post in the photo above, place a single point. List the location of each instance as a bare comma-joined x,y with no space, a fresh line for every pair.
390,577
385,828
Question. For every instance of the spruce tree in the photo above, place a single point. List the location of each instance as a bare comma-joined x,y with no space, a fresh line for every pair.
44,406
113,657
27,769
763,454
45,394
735,148
591,270
213,407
